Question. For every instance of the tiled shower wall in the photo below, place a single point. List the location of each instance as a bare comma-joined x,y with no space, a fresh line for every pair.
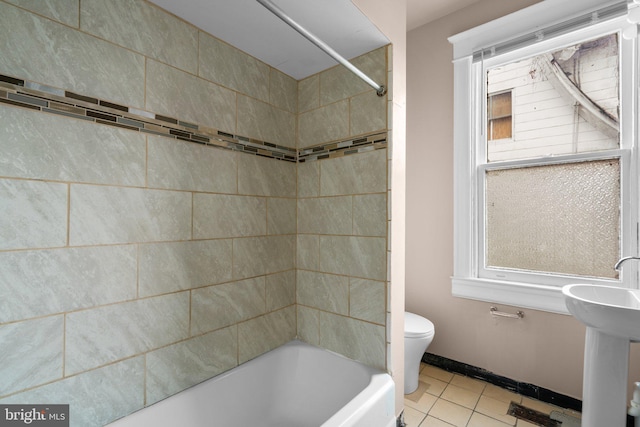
133,265
341,255
342,216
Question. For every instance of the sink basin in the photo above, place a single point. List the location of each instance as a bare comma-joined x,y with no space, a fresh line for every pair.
609,309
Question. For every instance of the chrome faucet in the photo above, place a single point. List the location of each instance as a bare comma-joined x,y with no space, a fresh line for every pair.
622,260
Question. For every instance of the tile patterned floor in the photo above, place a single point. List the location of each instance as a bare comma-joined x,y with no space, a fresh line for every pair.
444,399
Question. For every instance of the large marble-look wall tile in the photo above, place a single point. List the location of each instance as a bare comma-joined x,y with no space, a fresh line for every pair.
42,282
219,215
264,333
228,66
281,216
215,307
367,300
368,113
100,69
308,179
33,214
370,215
64,11
177,94
283,91
339,83
356,174
362,341
281,290
281,253
325,124
260,176
95,398
308,251
364,257
325,215
309,93
21,366
144,28
259,120
175,266
308,324
103,215
179,366
101,335
255,256
180,165
46,146
323,291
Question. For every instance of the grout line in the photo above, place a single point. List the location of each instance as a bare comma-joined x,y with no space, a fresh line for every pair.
68,243
64,344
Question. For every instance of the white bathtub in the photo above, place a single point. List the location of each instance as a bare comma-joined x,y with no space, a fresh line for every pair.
296,385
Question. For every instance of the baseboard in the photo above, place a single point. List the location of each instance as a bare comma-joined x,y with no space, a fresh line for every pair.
524,389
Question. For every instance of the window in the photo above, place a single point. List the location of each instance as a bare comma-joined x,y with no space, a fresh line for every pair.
499,116
544,192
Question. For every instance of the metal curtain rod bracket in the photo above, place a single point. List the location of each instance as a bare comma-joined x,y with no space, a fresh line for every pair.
381,90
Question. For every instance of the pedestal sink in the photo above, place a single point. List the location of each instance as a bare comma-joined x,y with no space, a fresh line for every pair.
612,317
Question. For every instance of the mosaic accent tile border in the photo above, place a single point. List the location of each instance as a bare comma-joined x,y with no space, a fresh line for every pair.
343,148
36,96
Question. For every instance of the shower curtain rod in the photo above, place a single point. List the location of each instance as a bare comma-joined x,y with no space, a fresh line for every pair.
381,90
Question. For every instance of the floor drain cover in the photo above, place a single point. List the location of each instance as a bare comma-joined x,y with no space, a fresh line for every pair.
530,415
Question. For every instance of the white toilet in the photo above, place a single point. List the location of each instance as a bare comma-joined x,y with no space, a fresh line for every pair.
418,334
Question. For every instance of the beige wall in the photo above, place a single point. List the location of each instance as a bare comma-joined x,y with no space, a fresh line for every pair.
543,349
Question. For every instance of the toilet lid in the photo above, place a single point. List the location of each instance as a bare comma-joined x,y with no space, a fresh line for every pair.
417,326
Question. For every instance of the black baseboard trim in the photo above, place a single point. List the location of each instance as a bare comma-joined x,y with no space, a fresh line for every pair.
524,389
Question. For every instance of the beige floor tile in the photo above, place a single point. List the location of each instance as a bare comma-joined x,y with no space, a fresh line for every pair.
434,422
461,396
468,383
444,399
424,404
437,373
413,417
434,386
451,413
416,395
479,420
495,409
539,406
498,393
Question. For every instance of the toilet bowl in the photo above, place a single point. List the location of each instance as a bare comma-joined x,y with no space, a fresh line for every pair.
418,334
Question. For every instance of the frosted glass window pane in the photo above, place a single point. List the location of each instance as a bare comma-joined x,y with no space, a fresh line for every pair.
563,102
556,218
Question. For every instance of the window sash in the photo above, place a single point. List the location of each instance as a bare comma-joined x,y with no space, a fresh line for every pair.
539,277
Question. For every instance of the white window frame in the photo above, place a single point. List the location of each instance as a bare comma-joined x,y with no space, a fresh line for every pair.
523,289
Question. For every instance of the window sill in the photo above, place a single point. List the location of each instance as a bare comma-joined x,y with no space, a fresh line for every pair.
537,297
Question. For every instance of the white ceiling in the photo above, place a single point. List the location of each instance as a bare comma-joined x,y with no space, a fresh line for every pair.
419,12
249,26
